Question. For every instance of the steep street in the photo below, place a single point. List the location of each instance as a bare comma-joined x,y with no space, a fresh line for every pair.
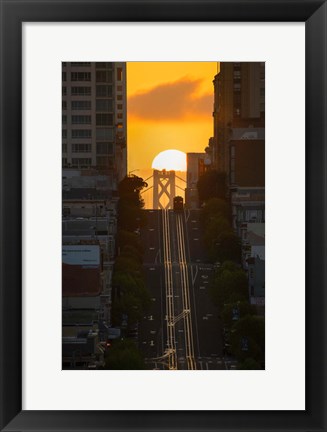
182,329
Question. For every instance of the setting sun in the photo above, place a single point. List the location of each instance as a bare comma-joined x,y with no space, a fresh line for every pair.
170,160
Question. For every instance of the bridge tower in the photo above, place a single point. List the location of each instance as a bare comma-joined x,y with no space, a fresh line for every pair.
164,189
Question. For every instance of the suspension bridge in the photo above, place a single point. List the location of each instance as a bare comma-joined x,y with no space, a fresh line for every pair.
163,187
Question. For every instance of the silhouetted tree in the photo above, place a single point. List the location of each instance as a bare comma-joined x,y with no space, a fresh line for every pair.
248,339
230,285
132,252
127,238
130,189
228,247
124,355
213,230
233,312
212,184
249,364
215,207
130,205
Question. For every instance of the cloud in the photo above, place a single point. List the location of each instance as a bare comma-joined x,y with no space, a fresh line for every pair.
171,101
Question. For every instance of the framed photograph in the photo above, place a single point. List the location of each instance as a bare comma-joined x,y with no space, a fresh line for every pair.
138,139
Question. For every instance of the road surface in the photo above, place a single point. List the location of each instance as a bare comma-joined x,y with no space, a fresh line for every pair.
182,329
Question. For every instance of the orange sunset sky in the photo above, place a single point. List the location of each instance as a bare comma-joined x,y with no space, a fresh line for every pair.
169,106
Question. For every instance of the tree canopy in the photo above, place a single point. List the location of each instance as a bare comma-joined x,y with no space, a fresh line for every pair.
130,205
124,355
131,296
248,339
216,207
128,238
232,312
228,247
212,184
130,188
214,227
230,284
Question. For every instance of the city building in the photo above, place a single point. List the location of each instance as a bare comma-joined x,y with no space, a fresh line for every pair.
89,217
253,240
256,275
237,149
88,253
197,164
239,101
81,347
248,206
247,158
94,117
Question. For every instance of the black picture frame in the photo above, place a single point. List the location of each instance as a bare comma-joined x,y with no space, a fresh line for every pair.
13,14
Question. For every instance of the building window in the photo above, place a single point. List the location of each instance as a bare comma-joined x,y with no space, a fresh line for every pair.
120,106
80,162
64,91
64,105
104,76
64,119
119,74
81,119
119,97
64,162
64,133
78,64
64,76
80,76
81,105
105,134
104,90
81,148
66,211
81,91
104,105
64,148
81,133
104,119
105,161
119,115
64,64
105,148
119,88
103,65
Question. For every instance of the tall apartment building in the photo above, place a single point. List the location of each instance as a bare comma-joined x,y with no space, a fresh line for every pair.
239,102
94,160
94,117
238,149
197,164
